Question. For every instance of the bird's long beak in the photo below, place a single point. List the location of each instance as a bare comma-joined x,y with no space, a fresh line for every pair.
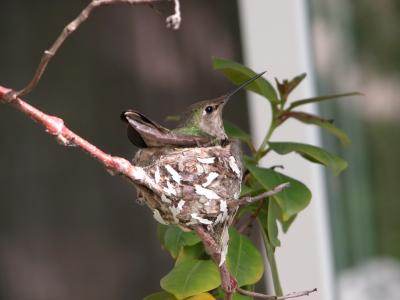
241,86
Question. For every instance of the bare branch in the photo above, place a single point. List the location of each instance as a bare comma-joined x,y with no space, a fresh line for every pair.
173,22
249,200
272,297
56,127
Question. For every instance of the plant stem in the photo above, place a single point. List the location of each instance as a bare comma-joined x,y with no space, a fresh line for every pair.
272,264
262,151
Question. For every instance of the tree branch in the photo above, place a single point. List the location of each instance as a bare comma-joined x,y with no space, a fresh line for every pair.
249,200
66,137
272,297
173,22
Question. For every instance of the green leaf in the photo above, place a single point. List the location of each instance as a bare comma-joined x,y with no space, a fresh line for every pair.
191,277
235,132
244,260
246,190
286,224
325,124
268,217
237,296
160,296
292,199
287,86
296,81
253,189
321,98
270,250
175,239
312,153
202,296
272,226
238,73
190,252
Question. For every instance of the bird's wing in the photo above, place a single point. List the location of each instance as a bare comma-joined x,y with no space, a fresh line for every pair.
144,132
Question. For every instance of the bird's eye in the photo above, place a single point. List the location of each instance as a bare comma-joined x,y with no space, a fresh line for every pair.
209,109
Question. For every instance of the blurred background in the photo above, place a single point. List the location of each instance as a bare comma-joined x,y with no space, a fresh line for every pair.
69,230
357,46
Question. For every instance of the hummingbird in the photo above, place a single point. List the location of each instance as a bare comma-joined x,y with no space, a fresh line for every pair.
201,124
196,168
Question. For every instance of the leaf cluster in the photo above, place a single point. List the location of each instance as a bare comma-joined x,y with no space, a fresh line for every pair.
194,275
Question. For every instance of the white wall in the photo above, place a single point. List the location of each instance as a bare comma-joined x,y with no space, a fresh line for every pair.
276,38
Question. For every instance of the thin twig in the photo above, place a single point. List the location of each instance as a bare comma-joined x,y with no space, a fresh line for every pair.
172,21
272,297
249,200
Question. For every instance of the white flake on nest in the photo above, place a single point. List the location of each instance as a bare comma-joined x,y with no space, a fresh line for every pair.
234,166
210,178
207,160
223,207
181,203
175,175
200,219
157,216
224,245
209,194
199,169
218,219
157,175
138,173
170,190
165,199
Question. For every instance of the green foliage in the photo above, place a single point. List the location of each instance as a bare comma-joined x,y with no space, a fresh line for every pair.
175,239
320,99
270,225
160,296
292,199
244,260
323,123
237,296
313,154
202,296
195,276
191,277
235,132
190,252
